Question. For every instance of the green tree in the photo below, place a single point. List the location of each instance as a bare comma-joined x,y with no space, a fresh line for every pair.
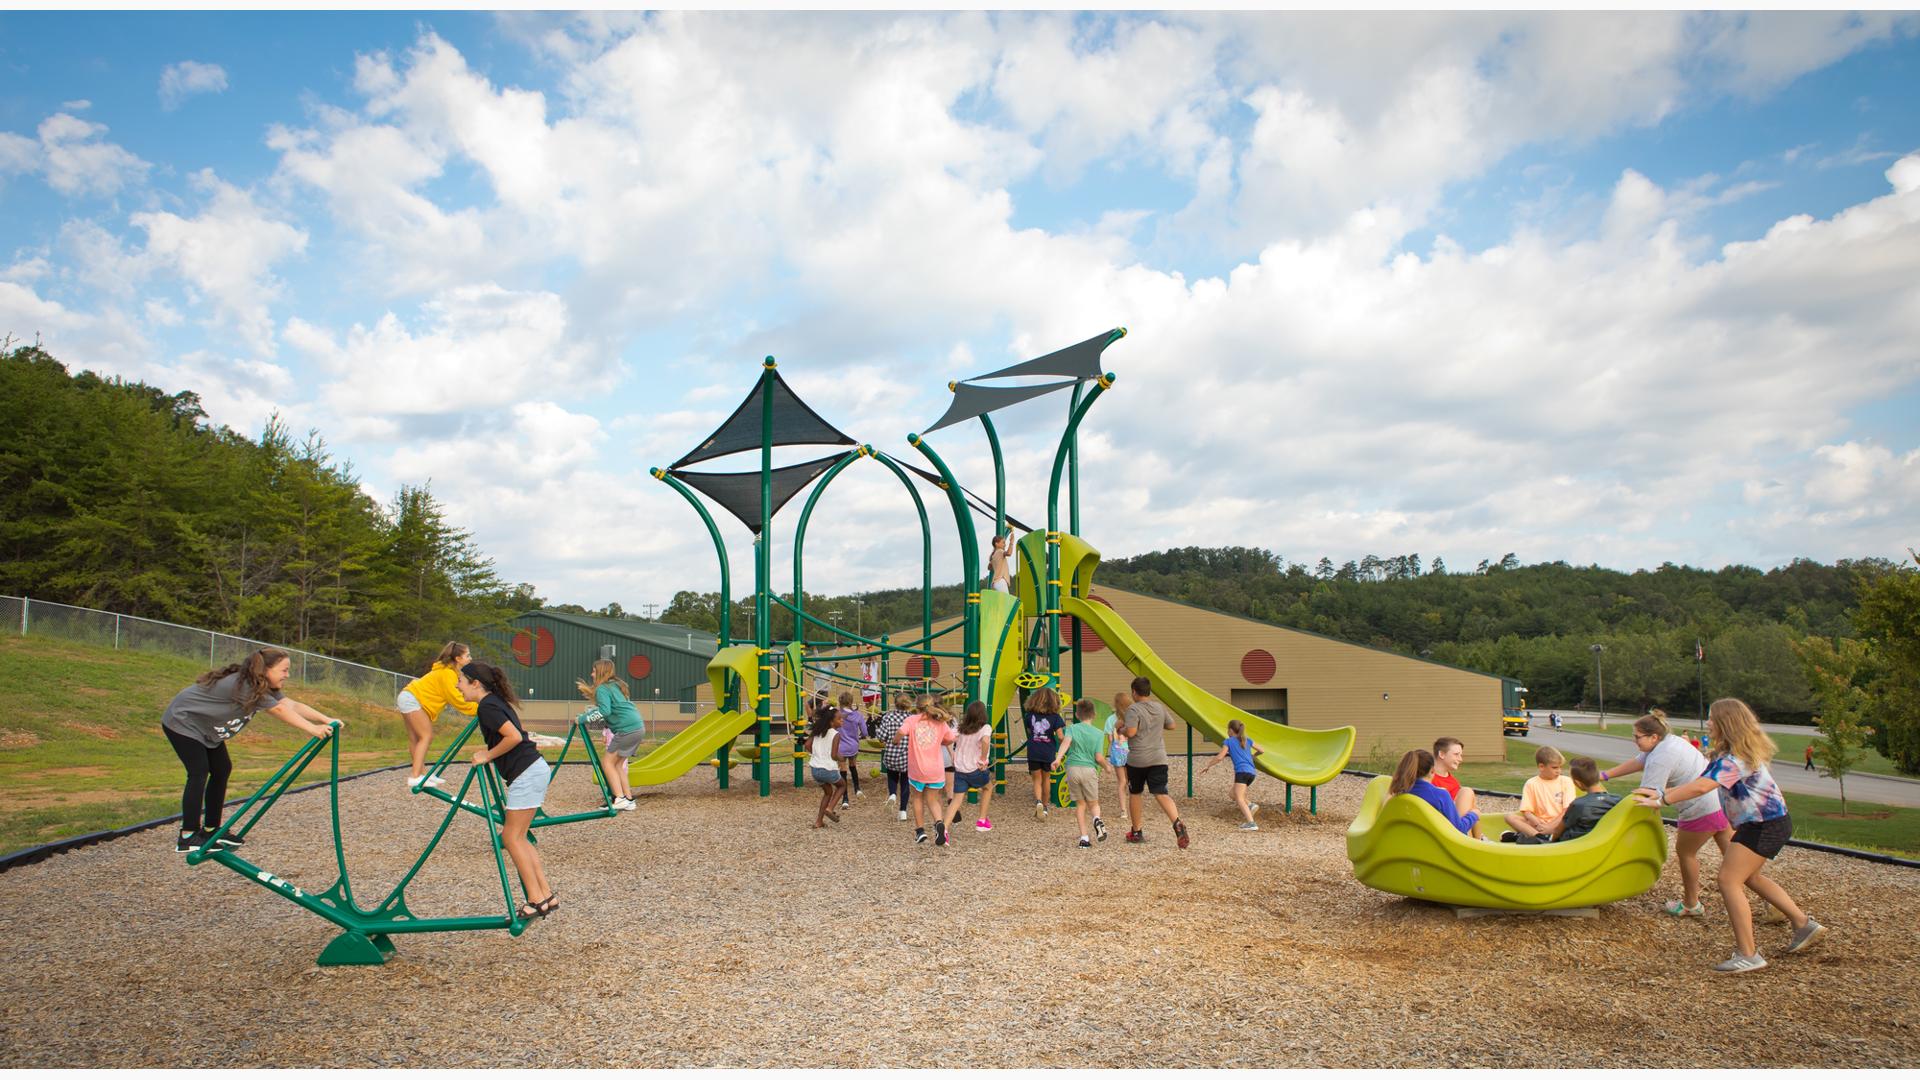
1836,670
1888,619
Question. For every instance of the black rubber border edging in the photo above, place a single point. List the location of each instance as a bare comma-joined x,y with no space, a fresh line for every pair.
1810,845
28,856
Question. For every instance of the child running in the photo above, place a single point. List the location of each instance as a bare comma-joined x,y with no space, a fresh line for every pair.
893,754
824,760
971,753
625,729
1080,749
1044,724
1242,750
925,734
853,728
199,721
1751,799
1116,742
422,700
522,770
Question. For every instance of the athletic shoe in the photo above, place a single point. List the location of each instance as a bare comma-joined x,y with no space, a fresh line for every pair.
623,803
229,840
890,797
1254,807
1765,912
1679,907
190,841
1736,964
1180,832
844,805
413,782
1135,836
1039,811
939,834
1100,830
1509,837
436,781
983,825
1084,842
903,815
1806,935
1248,826
919,836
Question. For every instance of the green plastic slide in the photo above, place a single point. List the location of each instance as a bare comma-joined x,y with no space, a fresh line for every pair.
1401,845
1001,652
1305,756
704,736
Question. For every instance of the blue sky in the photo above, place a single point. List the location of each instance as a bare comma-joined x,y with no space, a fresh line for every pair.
1621,289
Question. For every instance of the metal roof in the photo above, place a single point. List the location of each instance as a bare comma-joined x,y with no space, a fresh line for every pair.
657,634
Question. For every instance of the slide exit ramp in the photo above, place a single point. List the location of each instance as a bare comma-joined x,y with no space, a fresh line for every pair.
705,736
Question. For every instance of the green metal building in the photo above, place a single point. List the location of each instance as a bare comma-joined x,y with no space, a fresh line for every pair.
543,652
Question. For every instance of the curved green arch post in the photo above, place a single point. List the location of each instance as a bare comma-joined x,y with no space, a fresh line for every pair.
800,533
1073,516
926,554
1053,526
720,552
969,567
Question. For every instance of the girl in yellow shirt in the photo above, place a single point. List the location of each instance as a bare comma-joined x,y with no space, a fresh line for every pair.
423,699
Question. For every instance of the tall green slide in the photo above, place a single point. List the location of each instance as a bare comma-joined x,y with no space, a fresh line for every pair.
1305,756
705,736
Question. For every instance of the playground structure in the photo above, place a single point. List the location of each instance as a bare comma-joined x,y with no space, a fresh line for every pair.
1053,581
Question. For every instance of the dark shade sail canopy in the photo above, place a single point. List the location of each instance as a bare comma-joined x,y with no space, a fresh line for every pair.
1077,363
739,492
794,424
980,506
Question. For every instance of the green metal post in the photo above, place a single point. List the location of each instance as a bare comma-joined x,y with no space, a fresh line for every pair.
725,615
1053,583
1073,523
763,582
1289,806
800,532
1189,761
999,474
926,557
969,567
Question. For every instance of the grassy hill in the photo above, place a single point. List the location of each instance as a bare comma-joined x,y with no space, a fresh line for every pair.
81,748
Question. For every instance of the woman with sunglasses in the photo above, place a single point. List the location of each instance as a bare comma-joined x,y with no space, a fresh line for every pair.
1670,761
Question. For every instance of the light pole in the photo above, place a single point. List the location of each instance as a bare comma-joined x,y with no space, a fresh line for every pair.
859,622
1599,685
834,614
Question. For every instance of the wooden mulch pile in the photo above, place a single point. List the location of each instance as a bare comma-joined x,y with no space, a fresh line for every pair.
715,929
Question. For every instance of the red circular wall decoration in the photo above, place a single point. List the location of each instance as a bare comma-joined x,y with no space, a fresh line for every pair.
1257,667
542,647
1083,635
639,667
523,648
923,667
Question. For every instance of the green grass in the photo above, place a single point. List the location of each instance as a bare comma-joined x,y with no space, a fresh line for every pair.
81,748
1791,747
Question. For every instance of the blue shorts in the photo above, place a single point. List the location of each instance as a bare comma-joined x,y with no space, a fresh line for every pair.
964,782
926,785
826,776
529,789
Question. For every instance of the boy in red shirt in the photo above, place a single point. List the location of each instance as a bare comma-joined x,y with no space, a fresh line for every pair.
1447,753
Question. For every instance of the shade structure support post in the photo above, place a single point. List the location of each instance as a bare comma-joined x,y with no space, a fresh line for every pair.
724,616
763,582
969,567
1053,583
926,557
800,532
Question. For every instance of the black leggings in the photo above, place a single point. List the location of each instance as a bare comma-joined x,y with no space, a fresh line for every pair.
897,785
207,772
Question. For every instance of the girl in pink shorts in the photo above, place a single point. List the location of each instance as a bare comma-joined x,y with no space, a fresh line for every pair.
1669,761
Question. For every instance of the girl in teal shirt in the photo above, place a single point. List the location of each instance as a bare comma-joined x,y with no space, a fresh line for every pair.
609,695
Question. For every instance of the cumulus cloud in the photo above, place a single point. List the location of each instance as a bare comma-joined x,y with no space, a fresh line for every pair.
189,77
73,158
225,256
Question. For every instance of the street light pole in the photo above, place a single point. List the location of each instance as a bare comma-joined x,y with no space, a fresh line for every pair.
859,622
1599,684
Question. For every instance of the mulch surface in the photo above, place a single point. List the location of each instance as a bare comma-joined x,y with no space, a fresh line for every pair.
715,928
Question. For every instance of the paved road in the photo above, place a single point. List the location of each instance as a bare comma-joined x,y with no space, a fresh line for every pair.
1606,749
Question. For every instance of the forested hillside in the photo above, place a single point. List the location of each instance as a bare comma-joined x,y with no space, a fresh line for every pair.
120,496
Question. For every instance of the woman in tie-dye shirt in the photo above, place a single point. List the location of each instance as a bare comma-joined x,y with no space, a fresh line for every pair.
1737,770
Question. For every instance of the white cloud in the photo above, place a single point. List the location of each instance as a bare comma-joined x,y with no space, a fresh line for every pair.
226,255
70,153
187,78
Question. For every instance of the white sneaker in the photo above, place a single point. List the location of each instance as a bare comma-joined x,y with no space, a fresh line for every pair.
1248,826
1254,807
903,815
436,781
413,782
1737,964
623,803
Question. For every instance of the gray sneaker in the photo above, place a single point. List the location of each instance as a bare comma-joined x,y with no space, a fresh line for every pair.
1806,935
1735,964
1248,826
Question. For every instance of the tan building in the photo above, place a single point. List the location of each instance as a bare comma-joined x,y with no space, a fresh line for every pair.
1395,702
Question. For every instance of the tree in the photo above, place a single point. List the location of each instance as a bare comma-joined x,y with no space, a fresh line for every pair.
1888,619
1836,670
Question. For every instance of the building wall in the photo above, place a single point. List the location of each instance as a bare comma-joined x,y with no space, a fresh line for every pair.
557,652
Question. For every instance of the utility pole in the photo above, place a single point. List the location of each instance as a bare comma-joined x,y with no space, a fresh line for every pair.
648,611
1600,687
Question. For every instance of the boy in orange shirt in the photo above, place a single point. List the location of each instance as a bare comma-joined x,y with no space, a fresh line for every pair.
1543,801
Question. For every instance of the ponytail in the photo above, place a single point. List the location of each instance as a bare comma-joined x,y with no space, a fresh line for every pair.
493,679
1414,765
252,688
449,652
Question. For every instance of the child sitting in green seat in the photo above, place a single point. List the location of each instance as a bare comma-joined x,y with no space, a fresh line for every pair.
1586,811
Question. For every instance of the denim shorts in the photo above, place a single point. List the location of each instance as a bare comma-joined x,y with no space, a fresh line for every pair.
825,776
964,782
406,702
529,789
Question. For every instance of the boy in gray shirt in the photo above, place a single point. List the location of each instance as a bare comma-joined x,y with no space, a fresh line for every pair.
1145,727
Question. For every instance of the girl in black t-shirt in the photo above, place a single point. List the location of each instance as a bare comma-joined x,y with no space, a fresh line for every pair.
1044,724
522,769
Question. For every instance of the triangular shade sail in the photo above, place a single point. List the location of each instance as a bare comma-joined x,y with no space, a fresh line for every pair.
970,401
794,424
1080,361
740,492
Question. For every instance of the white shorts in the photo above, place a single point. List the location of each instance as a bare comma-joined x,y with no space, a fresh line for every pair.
1000,586
406,702
529,789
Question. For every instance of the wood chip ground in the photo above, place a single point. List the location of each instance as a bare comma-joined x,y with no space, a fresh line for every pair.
715,928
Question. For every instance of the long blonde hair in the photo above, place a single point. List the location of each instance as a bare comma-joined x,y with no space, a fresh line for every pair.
1736,731
602,674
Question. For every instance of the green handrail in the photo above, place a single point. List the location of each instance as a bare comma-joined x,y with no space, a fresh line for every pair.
856,637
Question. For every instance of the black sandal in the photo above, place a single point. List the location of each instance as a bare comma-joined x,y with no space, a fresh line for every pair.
548,906
528,913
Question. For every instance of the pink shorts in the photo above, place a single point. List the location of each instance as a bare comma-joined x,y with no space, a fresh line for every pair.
1712,823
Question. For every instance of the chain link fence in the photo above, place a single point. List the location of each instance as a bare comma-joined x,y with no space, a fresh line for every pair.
23,615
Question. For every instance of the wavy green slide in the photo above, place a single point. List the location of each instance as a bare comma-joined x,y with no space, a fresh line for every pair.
1400,845
1305,756
671,759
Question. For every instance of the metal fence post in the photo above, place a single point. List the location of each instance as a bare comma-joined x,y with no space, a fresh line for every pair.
116,630
25,603
210,651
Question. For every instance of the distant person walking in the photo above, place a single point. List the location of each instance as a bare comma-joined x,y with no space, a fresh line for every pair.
1807,755
199,721
1145,730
